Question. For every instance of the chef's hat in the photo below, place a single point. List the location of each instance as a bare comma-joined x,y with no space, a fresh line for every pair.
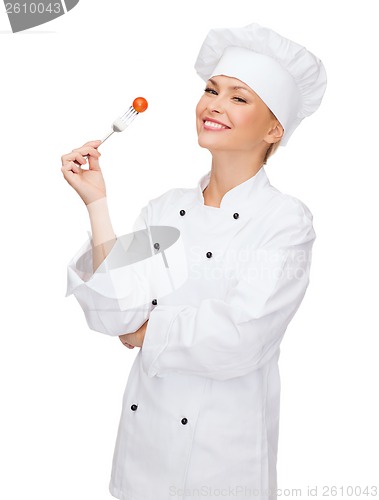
288,78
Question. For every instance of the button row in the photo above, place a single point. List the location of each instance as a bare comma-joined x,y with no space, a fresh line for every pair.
208,254
184,420
235,216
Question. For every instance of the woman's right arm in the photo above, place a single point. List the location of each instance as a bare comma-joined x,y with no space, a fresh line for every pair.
89,184
104,313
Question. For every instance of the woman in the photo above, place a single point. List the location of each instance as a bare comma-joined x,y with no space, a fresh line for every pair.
201,407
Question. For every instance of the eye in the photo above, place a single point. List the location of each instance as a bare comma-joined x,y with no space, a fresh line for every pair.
210,91
240,99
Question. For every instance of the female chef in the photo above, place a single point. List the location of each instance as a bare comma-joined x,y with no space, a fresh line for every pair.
200,412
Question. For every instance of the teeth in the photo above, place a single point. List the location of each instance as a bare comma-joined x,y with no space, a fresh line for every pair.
214,125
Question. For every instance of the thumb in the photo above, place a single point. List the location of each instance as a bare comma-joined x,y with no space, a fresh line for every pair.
93,161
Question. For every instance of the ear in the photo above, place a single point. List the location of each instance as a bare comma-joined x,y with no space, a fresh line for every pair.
275,133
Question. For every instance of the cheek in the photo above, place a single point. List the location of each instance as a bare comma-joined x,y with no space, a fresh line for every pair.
199,111
246,126
200,107
253,120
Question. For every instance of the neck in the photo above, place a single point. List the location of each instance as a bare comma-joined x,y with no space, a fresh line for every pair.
228,171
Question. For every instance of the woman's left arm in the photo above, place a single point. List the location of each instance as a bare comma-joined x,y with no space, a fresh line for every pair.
228,338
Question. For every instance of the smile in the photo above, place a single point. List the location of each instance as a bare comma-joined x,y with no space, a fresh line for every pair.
211,125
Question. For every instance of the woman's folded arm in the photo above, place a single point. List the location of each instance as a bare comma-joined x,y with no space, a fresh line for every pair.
228,338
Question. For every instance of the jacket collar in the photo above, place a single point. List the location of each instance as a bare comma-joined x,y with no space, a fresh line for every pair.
238,195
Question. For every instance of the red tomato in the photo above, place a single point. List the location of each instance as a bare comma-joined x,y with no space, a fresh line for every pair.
140,104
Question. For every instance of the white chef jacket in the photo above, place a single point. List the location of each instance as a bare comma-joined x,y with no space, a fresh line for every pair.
200,412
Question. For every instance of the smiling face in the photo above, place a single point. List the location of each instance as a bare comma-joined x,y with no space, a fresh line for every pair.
231,116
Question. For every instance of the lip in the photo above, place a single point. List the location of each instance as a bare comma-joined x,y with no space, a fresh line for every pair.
207,119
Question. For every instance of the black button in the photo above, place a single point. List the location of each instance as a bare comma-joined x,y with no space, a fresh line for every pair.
154,302
209,255
236,215
184,421
157,246
134,407
182,212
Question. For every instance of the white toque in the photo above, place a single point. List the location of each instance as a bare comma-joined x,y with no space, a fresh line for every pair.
288,78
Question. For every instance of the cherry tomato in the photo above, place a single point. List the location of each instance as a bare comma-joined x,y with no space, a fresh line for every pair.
140,104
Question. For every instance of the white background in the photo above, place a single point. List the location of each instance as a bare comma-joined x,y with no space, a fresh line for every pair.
62,84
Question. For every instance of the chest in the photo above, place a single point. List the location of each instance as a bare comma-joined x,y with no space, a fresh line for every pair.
218,246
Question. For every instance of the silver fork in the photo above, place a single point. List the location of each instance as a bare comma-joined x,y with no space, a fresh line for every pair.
118,125
122,122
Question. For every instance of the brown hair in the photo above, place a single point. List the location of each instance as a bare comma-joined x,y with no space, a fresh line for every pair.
271,150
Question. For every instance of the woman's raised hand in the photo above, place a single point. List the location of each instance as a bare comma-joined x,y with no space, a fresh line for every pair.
88,183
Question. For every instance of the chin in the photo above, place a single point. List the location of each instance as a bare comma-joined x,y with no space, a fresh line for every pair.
212,142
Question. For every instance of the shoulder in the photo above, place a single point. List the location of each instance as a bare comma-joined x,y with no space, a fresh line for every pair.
171,197
295,207
285,203
169,200
152,212
290,218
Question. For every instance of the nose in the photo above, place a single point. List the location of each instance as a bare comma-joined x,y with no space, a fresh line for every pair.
215,105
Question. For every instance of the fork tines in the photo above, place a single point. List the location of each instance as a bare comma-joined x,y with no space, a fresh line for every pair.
129,115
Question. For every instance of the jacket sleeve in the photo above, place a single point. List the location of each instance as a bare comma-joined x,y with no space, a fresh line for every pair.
105,312
222,339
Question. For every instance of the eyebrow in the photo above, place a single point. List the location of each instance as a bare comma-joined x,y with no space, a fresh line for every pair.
233,87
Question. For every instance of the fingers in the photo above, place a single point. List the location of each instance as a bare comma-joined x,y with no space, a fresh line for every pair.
129,346
79,154
71,164
70,167
95,144
74,156
89,149
86,182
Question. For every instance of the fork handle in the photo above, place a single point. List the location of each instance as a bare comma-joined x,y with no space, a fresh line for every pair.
106,137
